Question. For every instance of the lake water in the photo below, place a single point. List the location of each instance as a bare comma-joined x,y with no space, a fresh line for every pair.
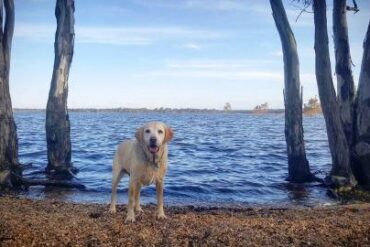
214,159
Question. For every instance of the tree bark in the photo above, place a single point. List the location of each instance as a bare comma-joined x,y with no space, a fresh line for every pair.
57,118
9,165
341,172
298,166
362,146
343,70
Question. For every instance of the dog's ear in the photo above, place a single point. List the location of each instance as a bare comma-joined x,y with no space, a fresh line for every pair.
140,135
168,134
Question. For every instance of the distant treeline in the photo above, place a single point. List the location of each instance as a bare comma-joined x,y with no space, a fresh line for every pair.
170,110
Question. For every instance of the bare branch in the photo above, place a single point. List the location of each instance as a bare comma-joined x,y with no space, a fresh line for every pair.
304,10
355,9
306,4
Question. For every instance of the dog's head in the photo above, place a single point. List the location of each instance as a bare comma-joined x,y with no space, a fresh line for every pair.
153,136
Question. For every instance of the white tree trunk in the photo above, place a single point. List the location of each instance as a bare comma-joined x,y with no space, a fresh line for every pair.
341,170
9,166
298,166
362,147
343,69
57,118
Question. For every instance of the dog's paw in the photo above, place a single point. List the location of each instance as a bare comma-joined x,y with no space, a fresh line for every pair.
161,216
130,219
139,210
112,210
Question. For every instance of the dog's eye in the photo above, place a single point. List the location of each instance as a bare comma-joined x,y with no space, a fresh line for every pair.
160,131
147,131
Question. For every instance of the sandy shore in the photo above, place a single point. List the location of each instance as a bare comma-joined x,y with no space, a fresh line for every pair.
25,222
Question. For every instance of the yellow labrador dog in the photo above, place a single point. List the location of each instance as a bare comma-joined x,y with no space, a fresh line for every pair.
145,161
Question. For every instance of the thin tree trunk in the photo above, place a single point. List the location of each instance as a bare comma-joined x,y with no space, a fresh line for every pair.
298,166
362,147
9,165
57,118
343,70
341,172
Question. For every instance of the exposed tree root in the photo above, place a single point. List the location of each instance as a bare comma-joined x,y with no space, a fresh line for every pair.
55,183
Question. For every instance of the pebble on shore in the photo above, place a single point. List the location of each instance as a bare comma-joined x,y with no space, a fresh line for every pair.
26,222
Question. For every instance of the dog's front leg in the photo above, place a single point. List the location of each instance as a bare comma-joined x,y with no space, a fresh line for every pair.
160,211
131,201
137,199
117,175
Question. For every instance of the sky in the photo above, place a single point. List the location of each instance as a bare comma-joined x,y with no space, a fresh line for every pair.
169,53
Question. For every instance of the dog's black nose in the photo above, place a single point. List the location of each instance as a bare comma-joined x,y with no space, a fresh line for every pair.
153,141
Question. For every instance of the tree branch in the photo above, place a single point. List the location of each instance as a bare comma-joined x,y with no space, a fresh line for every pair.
304,10
354,8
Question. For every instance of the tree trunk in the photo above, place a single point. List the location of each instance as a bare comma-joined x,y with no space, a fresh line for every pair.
343,70
362,147
341,172
57,119
298,166
9,165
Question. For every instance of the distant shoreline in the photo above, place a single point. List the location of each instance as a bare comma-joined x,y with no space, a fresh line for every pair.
159,110
165,110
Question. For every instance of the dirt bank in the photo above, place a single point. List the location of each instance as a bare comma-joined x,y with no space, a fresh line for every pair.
25,222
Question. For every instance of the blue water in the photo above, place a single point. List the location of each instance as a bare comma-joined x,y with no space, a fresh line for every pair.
215,158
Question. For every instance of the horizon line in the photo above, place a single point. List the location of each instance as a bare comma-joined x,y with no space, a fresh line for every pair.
144,109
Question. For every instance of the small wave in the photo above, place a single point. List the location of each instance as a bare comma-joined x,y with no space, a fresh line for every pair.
237,158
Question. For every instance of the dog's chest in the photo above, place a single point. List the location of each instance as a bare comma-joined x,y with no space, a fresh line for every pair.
148,175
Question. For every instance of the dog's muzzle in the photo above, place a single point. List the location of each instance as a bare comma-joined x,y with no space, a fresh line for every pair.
153,148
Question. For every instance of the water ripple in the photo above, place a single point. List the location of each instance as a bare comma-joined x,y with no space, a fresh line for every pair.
214,158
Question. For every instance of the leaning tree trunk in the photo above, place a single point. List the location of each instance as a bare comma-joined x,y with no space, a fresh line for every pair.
341,172
57,119
9,166
362,146
343,70
298,166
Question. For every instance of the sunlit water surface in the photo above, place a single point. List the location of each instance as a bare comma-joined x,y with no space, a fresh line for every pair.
214,159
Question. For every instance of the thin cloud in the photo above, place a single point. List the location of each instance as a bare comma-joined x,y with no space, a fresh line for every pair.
215,75
224,70
242,64
117,35
263,10
192,46
278,53
36,32
221,5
